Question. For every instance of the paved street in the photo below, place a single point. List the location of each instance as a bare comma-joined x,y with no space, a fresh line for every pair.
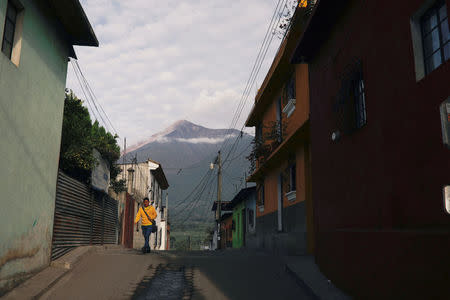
128,274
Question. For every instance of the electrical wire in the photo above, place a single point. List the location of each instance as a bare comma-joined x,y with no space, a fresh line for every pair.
259,59
253,74
83,89
95,99
252,79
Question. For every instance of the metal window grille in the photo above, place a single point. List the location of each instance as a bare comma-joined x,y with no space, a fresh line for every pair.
9,30
279,120
359,100
289,89
261,194
435,36
350,106
293,177
258,133
250,217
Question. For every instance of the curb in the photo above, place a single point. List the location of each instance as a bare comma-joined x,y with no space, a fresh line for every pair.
300,282
47,288
43,281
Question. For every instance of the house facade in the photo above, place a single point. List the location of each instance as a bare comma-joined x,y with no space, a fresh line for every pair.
37,41
222,236
238,225
226,230
243,223
281,153
250,219
147,179
379,75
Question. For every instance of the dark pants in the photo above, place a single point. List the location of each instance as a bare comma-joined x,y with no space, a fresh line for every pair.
146,231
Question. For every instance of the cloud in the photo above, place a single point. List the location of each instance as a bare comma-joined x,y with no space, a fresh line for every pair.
200,140
162,61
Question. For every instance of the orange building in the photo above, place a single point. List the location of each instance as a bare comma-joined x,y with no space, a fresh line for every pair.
281,152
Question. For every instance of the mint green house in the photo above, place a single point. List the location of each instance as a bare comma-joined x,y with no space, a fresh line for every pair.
37,38
238,222
243,216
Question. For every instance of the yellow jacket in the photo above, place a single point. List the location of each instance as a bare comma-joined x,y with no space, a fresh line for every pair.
151,212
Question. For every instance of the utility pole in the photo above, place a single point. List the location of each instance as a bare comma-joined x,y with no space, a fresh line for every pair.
219,197
189,242
123,159
219,186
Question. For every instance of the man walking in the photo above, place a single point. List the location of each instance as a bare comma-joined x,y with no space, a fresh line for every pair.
148,214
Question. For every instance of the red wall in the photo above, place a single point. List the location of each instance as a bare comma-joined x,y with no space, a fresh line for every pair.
377,193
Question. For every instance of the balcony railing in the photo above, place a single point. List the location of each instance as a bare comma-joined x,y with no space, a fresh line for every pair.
264,146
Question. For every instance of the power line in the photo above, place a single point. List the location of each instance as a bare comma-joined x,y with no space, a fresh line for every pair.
82,89
195,202
255,73
84,82
195,188
260,64
249,83
94,99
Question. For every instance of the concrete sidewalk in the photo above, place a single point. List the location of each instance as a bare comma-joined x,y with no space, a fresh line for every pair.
307,274
37,285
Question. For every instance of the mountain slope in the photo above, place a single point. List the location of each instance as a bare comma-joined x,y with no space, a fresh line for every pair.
185,151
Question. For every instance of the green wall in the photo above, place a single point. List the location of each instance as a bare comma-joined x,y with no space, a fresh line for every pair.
31,110
238,232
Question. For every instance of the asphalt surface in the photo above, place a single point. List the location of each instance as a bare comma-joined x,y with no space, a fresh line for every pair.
129,274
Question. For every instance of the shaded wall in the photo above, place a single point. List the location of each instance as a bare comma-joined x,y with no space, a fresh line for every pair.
382,230
31,111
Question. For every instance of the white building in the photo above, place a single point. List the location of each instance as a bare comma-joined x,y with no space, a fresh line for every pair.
147,179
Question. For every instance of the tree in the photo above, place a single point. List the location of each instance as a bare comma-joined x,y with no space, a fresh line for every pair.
80,137
76,158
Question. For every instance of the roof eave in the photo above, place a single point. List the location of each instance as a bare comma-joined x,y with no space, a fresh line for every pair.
161,177
318,26
74,20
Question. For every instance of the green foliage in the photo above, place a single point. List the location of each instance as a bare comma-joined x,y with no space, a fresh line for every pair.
200,233
76,156
274,134
119,185
80,137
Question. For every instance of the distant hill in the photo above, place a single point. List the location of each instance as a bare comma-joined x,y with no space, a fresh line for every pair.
185,151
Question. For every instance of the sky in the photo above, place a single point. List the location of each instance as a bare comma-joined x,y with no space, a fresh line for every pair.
163,61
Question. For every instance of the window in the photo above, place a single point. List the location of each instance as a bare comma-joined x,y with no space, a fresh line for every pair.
279,121
288,181
250,218
258,132
292,178
9,30
350,106
153,188
12,33
289,99
435,36
290,88
261,195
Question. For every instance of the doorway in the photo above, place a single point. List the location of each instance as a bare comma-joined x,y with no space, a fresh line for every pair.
280,202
